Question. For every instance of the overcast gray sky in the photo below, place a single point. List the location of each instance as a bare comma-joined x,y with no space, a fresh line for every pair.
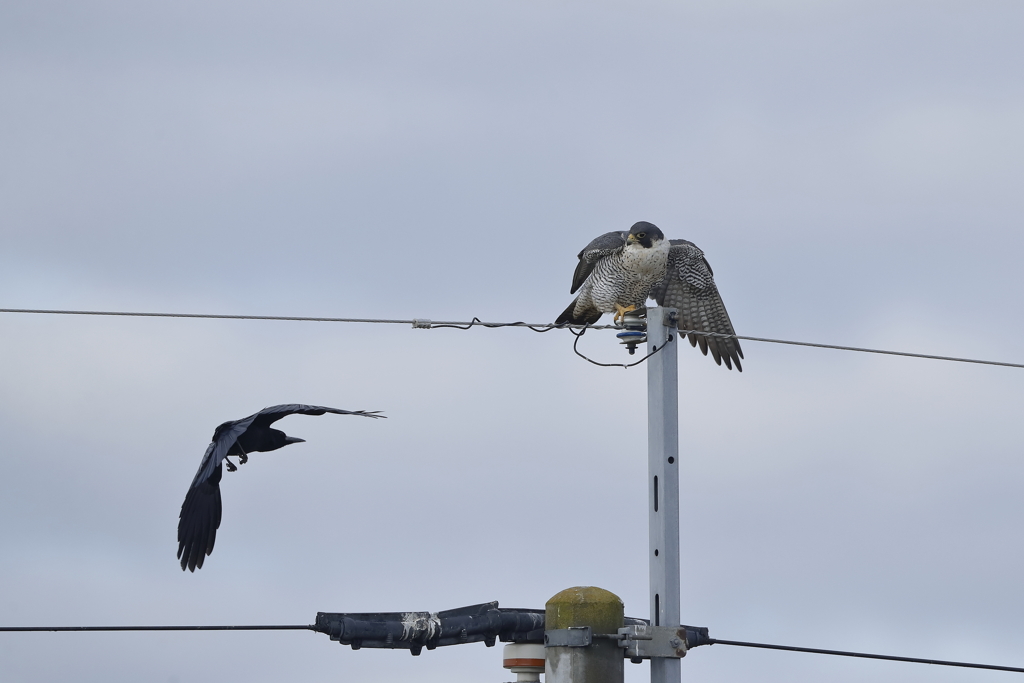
852,170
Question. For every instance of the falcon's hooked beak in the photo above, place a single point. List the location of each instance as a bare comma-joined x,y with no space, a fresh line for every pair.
631,237
293,439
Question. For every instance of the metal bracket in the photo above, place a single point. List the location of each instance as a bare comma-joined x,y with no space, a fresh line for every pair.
647,642
574,636
639,641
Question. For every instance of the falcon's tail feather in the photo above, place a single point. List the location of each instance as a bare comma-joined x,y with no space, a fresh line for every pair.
587,316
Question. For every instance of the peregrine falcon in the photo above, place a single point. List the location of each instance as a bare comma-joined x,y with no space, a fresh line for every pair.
616,272
689,286
200,513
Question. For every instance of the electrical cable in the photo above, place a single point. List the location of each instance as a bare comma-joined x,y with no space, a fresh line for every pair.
275,627
477,321
416,323
709,641
864,655
536,327
854,348
611,365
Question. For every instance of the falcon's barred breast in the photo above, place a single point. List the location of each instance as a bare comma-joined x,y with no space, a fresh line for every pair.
616,272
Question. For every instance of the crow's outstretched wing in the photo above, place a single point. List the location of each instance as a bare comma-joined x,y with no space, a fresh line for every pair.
199,521
226,434
689,286
269,416
599,248
201,512
223,438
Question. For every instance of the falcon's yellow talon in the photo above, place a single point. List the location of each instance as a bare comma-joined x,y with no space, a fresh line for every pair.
620,312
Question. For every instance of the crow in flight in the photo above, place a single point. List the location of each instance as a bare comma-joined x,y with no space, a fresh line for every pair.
200,513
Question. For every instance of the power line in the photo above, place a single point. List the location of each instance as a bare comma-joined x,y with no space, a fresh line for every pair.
285,627
859,349
700,641
864,655
424,323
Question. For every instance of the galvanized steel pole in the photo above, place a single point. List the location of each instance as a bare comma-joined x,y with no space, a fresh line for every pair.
663,479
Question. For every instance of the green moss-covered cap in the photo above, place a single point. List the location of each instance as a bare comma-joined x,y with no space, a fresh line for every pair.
597,608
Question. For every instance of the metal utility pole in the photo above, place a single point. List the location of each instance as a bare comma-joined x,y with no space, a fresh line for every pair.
663,479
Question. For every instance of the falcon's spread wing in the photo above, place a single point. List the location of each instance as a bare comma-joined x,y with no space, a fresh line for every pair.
201,512
689,286
601,247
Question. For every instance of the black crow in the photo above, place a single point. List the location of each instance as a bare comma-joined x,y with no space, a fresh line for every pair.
200,513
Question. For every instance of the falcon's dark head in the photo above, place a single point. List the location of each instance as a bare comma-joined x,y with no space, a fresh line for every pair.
645,234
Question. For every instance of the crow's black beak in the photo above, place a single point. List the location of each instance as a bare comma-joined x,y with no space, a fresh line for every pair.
294,439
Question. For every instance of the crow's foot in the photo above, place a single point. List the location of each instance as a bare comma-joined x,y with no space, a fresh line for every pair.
231,465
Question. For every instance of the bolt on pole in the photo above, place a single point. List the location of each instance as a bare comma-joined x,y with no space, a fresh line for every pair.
663,479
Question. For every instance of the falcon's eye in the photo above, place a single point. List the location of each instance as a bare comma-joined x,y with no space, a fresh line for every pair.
641,235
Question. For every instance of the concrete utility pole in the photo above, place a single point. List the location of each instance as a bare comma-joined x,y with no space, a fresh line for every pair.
663,479
581,633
